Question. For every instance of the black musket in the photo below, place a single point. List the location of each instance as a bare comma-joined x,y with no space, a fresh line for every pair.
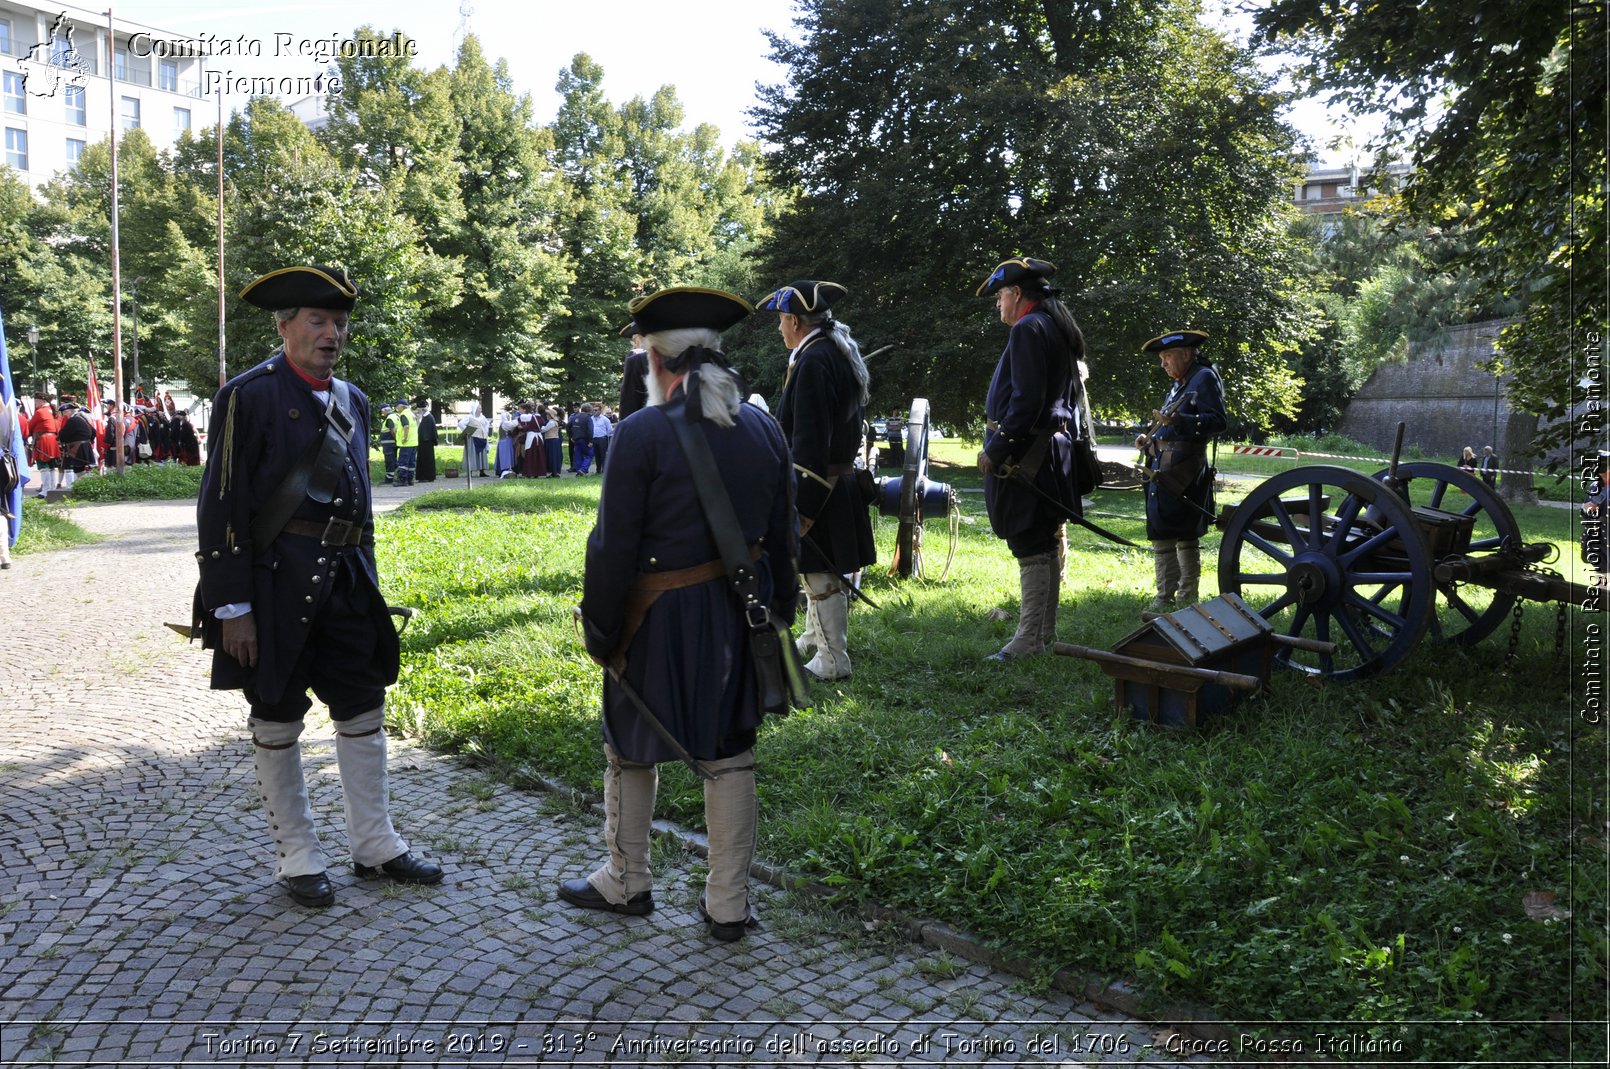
1074,517
851,587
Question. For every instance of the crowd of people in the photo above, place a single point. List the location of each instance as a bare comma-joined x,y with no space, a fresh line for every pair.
63,439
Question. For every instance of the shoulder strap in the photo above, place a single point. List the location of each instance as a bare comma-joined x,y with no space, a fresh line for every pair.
315,473
719,515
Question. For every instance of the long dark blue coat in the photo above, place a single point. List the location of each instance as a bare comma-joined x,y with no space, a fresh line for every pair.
1035,387
1197,420
263,420
821,414
690,656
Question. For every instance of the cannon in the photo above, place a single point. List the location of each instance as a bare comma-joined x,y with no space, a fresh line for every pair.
1363,562
913,500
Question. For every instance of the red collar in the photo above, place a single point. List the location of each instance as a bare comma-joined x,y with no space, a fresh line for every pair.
317,384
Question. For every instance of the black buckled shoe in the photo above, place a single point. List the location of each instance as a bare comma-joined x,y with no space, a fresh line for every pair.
405,868
582,893
311,890
726,931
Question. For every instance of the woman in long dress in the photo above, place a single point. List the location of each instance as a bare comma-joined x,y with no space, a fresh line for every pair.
506,439
534,460
474,428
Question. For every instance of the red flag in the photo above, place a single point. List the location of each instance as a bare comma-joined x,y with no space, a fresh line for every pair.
92,401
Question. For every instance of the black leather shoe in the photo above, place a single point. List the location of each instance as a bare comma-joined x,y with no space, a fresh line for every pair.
726,931
405,868
582,893
310,890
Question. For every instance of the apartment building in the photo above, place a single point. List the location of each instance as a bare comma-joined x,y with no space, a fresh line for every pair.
56,98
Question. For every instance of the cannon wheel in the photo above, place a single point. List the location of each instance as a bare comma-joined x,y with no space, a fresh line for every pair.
1360,577
913,481
1495,526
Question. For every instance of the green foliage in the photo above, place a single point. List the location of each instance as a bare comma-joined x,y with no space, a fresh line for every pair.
47,527
1344,852
1392,284
142,482
296,205
1505,110
1071,132
646,205
512,280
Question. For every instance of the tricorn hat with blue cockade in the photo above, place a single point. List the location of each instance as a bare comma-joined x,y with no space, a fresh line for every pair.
803,297
1016,271
1176,339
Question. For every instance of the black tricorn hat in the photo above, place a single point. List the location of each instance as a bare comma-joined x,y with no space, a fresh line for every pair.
677,307
803,296
1176,339
302,287
1011,272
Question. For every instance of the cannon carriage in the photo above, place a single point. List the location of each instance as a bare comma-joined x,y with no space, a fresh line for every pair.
1363,562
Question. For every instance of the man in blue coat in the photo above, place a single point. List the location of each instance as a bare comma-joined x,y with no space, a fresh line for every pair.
1032,413
1179,479
660,614
289,598
821,411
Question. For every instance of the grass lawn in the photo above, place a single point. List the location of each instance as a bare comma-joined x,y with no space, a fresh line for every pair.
1415,850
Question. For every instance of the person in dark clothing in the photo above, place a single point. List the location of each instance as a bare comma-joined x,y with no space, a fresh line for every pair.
659,613
821,410
291,602
1033,422
634,376
1179,479
425,469
580,428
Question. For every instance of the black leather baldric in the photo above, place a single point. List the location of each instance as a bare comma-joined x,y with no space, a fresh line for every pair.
316,472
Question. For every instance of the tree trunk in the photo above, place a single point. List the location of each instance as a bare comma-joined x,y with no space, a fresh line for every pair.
1520,431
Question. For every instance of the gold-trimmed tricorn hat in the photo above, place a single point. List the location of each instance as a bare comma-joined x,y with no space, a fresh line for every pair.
302,287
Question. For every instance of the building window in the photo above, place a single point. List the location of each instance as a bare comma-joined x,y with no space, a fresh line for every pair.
73,97
17,148
168,76
181,119
131,113
75,151
5,37
120,64
16,99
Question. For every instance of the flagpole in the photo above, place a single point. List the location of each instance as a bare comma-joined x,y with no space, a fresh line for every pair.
223,376
117,268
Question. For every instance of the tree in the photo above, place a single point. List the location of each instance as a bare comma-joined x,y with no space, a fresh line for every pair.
1389,286
598,231
646,205
1505,108
515,279
1137,150
48,287
393,123
293,204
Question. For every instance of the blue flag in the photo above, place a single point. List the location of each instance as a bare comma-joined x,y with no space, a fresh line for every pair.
14,443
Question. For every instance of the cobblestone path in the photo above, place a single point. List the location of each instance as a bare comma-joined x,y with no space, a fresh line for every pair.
140,925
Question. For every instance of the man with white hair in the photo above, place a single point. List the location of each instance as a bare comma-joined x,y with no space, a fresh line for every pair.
660,614
821,409
289,599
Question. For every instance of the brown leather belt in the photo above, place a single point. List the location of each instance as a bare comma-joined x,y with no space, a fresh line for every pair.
334,533
648,586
